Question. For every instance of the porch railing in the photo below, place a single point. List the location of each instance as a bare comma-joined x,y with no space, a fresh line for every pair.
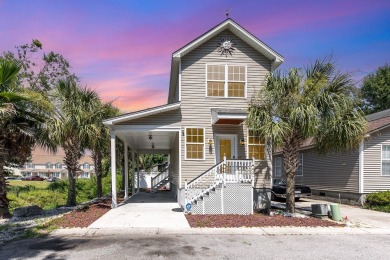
226,171
164,174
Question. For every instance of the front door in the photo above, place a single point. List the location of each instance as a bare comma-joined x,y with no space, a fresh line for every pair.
225,146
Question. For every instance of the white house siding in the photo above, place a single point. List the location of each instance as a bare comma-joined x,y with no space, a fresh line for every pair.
172,118
175,164
372,179
336,172
196,108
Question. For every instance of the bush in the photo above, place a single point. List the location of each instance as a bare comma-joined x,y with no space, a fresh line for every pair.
381,198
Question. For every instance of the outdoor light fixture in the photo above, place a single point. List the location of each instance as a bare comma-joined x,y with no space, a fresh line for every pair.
242,142
210,141
150,137
152,145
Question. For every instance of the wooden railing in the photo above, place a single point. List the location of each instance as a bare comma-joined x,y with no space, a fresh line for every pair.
226,171
160,177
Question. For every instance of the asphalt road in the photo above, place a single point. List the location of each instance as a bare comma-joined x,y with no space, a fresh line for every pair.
201,247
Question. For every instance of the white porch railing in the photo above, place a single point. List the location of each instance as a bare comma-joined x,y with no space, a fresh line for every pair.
163,175
226,171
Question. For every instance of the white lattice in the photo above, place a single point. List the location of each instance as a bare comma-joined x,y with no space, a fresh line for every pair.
213,202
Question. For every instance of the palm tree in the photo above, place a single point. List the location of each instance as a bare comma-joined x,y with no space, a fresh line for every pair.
70,128
22,116
98,142
317,102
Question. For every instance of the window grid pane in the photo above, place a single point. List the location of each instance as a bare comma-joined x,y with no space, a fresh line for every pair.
195,143
386,152
215,89
216,72
236,89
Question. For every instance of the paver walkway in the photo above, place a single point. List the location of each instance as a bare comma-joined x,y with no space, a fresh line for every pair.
157,210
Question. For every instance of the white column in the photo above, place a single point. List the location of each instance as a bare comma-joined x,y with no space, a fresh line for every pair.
114,203
137,172
126,167
133,173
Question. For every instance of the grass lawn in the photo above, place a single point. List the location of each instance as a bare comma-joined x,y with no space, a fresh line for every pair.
36,184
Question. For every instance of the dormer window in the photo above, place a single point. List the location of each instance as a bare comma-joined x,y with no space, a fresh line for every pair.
48,166
86,166
226,81
58,166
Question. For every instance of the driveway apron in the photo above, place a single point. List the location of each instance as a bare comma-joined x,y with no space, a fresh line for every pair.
151,210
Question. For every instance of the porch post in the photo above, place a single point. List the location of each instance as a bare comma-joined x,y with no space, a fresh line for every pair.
126,167
137,173
114,203
133,172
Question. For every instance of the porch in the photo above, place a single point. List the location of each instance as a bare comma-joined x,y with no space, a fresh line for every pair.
145,210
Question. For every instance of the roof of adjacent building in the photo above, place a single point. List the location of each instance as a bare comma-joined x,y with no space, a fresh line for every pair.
375,122
42,156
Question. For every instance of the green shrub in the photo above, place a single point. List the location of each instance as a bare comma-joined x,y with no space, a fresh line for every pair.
381,198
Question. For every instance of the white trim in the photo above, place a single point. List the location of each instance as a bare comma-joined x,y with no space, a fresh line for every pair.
180,147
114,202
383,159
145,128
180,80
142,113
247,148
234,139
185,143
361,167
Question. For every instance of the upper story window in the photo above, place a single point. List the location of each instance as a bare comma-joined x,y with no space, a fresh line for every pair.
278,167
195,143
386,159
300,166
86,166
226,80
29,166
48,166
255,146
58,166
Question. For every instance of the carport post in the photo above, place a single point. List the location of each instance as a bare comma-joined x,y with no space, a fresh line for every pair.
126,166
137,172
114,203
133,171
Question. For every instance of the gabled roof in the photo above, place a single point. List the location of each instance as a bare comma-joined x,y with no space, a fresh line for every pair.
141,113
238,30
235,28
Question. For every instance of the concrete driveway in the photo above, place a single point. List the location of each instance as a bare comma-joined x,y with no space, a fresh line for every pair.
356,215
157,210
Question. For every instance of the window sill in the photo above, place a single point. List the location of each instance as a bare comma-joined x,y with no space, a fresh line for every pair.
216,97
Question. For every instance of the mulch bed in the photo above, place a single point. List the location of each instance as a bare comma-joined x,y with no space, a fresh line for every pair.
84,217
256,220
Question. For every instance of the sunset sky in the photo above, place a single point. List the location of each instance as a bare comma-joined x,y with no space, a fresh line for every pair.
123,49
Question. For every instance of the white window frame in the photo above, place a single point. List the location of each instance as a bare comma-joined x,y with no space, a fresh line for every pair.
49,165
227,79
83,175
55,174
58,166
281,167
383,159
247,148
86,166
300,164
185,144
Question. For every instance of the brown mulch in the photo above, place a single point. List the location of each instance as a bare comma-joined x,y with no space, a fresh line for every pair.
84,217
256,220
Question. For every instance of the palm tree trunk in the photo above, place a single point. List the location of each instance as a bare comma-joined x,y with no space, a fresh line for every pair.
4,202
290,163
72,156
97,159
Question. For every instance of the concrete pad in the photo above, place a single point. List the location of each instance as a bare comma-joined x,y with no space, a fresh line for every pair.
145,210
355,215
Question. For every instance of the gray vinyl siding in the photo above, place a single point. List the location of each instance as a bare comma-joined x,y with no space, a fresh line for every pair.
372,179
175,167
196,108
337,172
172,118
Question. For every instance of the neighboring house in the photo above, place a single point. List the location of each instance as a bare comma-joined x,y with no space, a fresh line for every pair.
46,165
348,175
202,128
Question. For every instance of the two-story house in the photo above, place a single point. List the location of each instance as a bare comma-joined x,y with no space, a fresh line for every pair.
217,165
46,165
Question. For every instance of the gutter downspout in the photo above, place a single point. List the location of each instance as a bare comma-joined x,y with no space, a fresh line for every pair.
361,167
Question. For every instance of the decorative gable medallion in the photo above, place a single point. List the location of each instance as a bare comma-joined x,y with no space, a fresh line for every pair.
226,47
